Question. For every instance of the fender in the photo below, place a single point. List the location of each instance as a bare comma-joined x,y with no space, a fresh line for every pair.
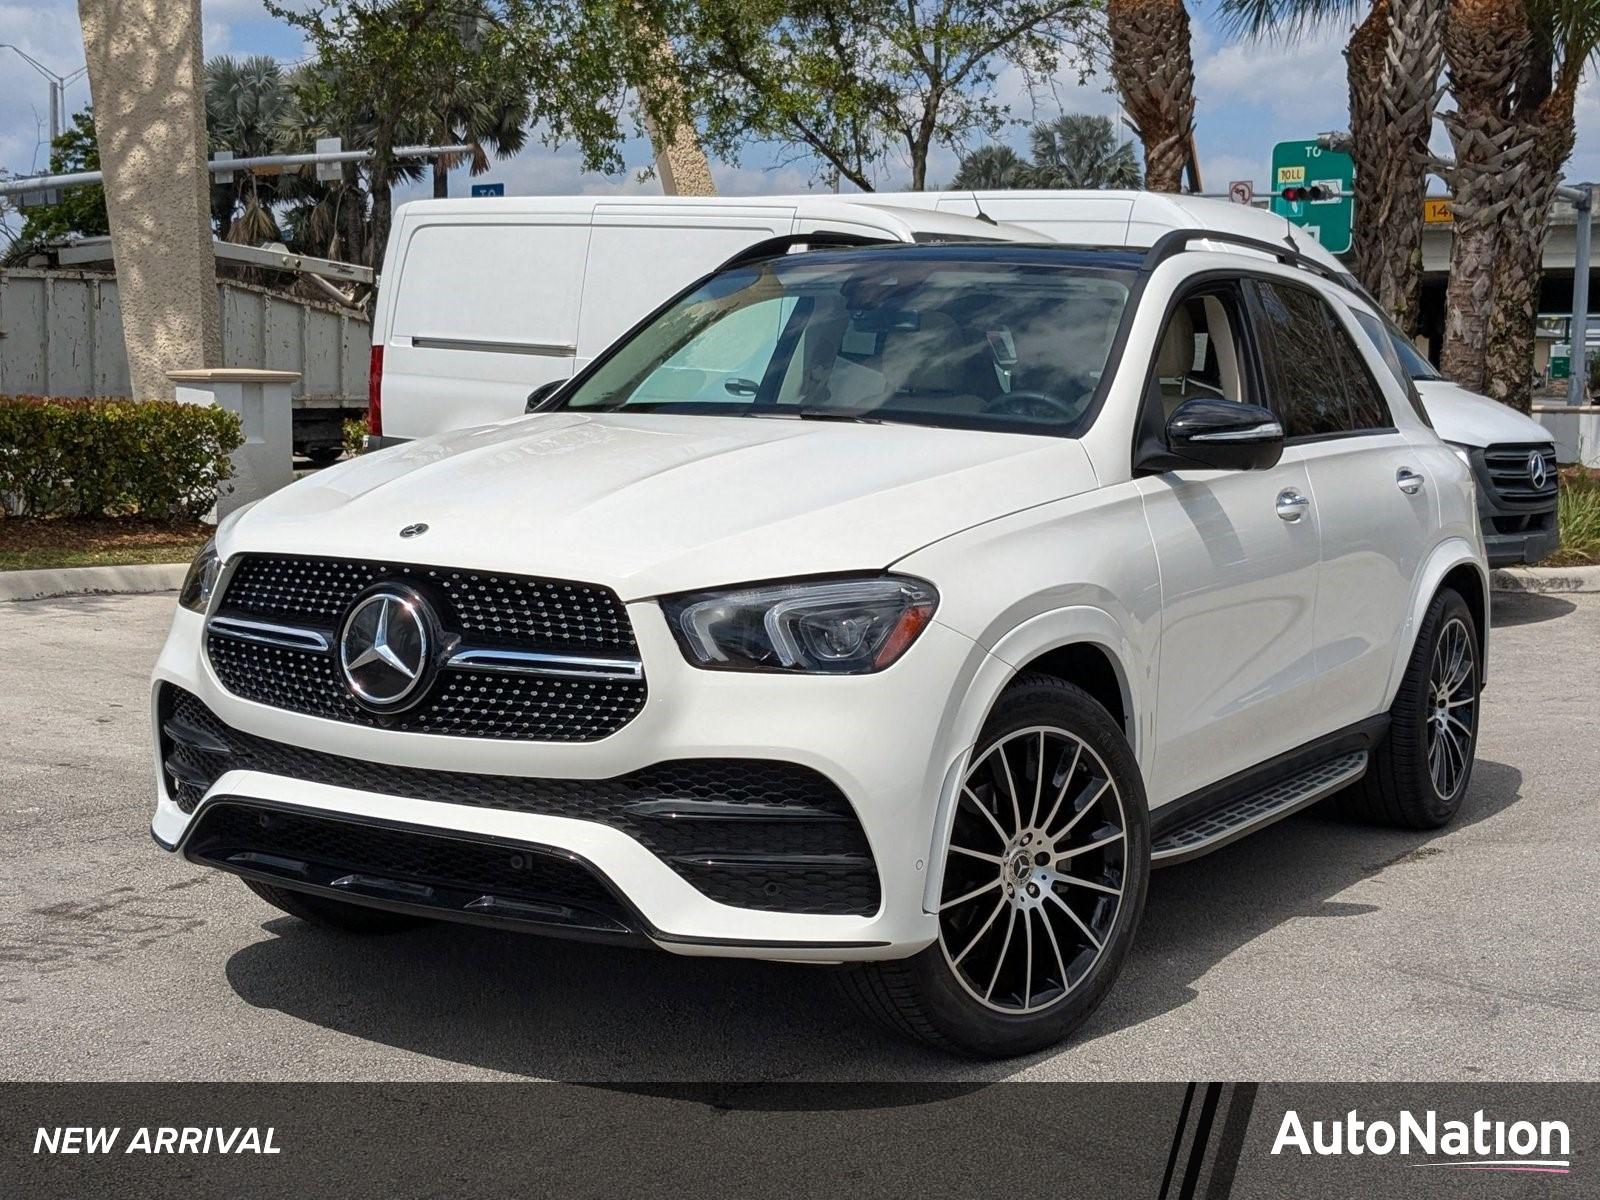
1000,665
1445,557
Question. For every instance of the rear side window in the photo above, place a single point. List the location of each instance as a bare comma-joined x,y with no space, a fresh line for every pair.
1390,346
1321,386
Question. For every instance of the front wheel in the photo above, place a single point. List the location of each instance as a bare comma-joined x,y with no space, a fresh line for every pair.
1044,883
1419,774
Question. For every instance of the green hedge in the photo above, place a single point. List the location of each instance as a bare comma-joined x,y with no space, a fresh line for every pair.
91,458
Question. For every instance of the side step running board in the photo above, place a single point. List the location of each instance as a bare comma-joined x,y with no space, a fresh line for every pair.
1231,822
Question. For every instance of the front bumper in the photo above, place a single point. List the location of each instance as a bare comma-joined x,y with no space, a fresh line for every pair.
882,740
1518,518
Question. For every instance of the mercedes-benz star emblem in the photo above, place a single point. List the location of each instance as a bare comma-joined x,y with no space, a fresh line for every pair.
1537,473
384,647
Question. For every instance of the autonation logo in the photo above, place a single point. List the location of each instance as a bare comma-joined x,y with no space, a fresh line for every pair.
1478,1144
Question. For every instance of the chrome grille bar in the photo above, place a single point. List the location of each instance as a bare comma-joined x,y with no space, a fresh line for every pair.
530,662
269,634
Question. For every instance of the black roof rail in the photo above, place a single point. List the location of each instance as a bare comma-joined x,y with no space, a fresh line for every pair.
822,239
1177,241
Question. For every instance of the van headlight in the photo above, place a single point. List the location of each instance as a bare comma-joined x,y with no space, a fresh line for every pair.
202,577
817,627
1464,453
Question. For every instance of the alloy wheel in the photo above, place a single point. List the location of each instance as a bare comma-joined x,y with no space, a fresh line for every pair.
1034,875
1452,716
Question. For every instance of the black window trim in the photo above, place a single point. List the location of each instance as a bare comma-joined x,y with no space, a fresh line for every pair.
1269,351
1149,424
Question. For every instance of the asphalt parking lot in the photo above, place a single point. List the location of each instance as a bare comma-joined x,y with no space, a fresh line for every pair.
1319,949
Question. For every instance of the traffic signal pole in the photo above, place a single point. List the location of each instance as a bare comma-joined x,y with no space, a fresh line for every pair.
1578,380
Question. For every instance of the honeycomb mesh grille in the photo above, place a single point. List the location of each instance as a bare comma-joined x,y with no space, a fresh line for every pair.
485,609
783,837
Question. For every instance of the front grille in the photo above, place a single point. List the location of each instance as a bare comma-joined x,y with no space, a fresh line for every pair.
1506,469
753,833
464,876
487,611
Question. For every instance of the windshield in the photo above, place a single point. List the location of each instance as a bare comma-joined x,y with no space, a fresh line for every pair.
963,343
1411,359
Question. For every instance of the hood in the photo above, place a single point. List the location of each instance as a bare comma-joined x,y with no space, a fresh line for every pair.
657,503
1472,420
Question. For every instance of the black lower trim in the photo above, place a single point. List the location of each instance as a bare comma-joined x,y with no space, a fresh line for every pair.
1363,735
638,928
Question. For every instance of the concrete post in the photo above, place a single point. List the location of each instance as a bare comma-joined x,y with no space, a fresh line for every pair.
261,401
681,163
146,79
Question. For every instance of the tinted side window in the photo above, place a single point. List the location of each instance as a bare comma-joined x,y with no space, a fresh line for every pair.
1390,347
1368,408
1307,392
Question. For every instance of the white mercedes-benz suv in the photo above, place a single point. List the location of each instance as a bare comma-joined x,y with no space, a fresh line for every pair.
895,607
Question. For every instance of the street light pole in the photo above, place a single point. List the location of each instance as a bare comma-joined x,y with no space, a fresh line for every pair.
1578,355
58,86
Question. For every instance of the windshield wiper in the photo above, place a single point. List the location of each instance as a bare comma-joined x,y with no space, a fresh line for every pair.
813,413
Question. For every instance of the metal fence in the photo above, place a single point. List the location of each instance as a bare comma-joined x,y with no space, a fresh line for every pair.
61,335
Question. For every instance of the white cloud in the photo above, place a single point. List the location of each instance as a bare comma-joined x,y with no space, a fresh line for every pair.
1291,78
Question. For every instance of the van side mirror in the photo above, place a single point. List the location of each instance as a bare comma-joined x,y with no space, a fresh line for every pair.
1209,432
540,394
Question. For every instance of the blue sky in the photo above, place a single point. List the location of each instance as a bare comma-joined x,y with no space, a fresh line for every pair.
1249,96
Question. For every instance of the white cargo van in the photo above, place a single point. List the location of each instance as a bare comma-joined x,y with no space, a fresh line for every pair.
483,300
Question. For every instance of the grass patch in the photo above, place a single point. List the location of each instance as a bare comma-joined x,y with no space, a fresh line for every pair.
1578,519
33,543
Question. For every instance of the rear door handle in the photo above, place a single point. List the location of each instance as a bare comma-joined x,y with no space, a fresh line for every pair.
1408,481
1292,505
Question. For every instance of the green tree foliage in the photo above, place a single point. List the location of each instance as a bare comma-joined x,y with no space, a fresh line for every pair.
82,210
1077,150
250,112
858,86
993,167
1073,151
397,71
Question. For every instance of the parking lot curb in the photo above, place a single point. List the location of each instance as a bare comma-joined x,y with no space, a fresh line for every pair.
84,581
1546,579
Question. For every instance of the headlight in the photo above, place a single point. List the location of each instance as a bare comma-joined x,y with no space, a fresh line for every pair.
202,577
820,627
1464,453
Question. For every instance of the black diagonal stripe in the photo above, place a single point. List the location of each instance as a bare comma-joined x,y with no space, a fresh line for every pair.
1202,1136
1177,1141
1230,1145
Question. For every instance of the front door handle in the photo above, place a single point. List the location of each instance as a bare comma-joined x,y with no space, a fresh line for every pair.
1408,481
1292,505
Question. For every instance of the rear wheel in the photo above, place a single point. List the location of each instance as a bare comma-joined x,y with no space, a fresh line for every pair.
333,914
1044,883
1420,773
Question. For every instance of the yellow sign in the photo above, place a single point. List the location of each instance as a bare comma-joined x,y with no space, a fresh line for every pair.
1291,175
1436,211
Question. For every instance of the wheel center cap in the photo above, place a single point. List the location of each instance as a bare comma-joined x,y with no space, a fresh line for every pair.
1020,865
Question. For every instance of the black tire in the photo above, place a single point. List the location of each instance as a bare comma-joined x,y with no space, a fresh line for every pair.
325,455
1401,787
932,996
333,914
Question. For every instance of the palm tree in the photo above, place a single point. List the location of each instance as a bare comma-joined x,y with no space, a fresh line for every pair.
1392,68
994,166
1081,151
1556,39
480,104
249,110
1154,71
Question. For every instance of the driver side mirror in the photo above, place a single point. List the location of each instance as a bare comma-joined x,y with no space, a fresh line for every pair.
540,394
1225,435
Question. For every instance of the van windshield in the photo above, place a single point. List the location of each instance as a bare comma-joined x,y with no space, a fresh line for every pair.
962,343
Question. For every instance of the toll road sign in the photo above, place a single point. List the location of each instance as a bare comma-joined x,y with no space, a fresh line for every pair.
1314,188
